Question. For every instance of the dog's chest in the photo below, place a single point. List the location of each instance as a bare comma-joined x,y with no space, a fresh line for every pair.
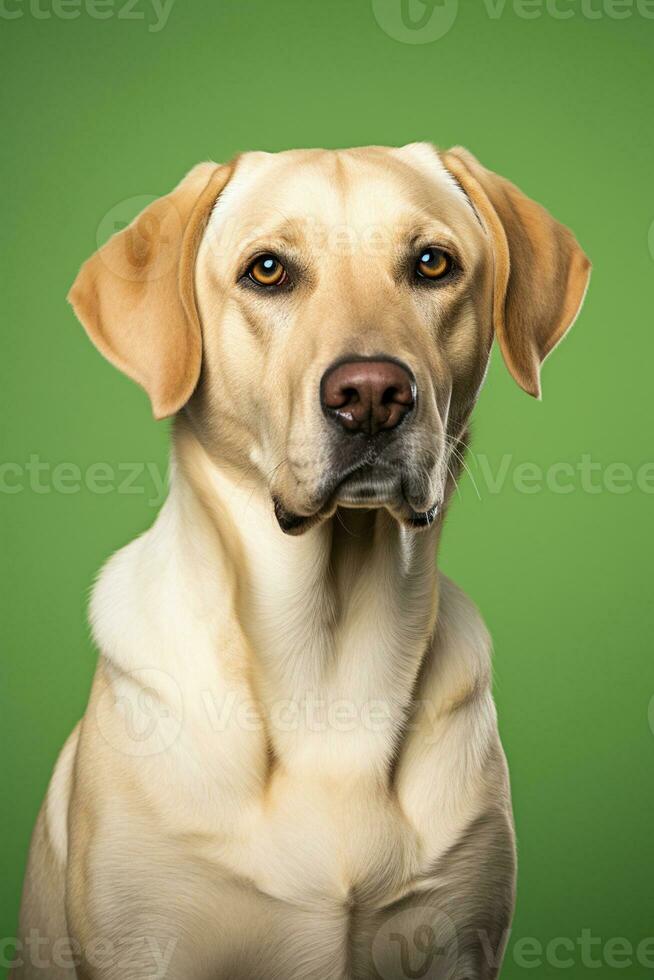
317,840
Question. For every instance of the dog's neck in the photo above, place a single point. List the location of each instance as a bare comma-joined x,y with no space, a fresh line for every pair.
337,620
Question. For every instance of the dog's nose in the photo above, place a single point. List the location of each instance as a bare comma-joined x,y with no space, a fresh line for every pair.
368,395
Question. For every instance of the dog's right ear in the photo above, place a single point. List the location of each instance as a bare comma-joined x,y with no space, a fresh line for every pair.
541,272
135,296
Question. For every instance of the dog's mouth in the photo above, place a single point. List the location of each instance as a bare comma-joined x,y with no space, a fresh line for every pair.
370,484
366,485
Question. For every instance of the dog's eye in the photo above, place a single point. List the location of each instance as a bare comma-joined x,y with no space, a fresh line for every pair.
267,271
433,263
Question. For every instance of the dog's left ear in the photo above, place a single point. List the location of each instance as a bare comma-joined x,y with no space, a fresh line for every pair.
541,273
135,297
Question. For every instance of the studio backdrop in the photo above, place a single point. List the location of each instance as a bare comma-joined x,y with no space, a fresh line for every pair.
105,107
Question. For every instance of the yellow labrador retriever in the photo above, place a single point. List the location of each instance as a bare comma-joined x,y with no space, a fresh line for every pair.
289,767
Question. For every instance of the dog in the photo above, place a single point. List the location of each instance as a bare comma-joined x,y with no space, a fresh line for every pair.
289,766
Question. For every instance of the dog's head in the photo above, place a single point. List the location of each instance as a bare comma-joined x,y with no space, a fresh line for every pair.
325,318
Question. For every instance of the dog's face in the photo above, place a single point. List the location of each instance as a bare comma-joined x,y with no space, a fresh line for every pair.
326,318
345,302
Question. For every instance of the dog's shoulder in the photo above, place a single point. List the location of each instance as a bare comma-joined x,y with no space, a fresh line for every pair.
119,595
460,631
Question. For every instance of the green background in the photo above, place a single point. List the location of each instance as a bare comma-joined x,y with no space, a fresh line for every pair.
98,112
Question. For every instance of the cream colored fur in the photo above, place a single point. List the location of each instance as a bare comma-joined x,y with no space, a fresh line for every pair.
289,767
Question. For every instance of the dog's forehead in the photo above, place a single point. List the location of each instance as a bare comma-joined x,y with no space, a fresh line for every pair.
354,187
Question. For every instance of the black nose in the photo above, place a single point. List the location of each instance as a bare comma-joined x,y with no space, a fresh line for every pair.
367,395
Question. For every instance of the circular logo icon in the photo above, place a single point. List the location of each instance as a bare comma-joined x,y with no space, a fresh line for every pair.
418,943
150,230
140,713
415,21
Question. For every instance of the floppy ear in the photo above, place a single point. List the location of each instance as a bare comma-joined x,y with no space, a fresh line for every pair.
541,273
135,297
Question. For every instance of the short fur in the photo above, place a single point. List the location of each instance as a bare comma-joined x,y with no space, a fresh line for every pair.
289,767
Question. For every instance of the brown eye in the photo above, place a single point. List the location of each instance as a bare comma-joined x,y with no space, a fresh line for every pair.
433,263
267,271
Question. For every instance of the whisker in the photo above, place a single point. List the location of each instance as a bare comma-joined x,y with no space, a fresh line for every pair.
452,447
344,525
267,479
454,480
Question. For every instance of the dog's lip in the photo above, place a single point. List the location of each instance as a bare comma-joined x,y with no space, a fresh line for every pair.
377,473
387,485
377,482
290,522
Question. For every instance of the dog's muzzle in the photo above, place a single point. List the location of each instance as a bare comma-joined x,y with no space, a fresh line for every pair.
368,402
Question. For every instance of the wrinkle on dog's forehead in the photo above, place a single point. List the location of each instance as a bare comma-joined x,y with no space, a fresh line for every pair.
291,195
269,190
